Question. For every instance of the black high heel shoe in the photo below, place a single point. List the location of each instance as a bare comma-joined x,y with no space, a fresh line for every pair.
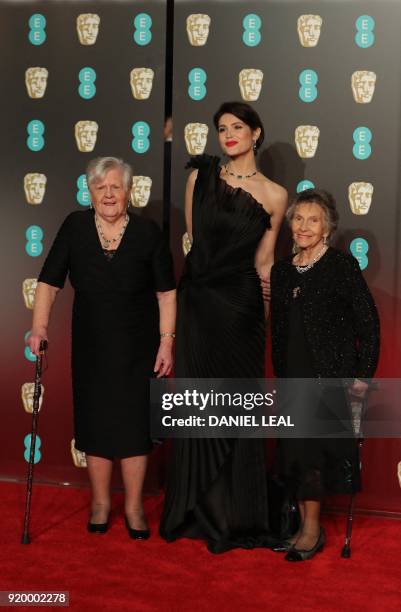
137,534
98,527
302,555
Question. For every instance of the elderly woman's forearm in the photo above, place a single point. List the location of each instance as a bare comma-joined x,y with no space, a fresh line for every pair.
44,299
167,310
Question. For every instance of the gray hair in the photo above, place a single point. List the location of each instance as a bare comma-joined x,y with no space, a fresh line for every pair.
326,202
98,168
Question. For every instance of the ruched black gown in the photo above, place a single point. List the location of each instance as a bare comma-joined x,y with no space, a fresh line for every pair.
217,487
115,329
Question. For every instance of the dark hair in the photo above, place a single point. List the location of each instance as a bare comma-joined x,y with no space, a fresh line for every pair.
321,197
246,113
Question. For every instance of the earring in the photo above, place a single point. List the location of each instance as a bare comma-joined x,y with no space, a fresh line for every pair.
325,241
254,147
295,248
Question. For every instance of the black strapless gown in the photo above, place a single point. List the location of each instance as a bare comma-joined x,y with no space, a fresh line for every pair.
216,488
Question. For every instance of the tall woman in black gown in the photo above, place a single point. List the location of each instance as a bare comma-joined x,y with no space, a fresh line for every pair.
217,487
122,331
324,325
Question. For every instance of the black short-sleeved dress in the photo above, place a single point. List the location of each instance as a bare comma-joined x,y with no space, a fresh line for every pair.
115,329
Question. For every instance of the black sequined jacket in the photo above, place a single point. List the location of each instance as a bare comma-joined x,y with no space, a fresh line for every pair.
340,318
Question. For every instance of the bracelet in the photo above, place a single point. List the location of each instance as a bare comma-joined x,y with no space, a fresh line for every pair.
167,335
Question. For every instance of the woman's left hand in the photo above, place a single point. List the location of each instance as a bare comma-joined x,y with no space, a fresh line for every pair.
358,388
164,358
264,275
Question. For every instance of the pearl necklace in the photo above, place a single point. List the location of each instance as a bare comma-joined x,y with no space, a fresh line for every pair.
302,269
239,176
106,242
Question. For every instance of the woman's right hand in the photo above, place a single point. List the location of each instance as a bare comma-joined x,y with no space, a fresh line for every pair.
35,337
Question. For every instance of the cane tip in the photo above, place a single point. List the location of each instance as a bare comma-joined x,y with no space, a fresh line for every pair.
346,552
25,539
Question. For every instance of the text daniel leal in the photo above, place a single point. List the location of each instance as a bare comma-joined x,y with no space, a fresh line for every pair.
242,420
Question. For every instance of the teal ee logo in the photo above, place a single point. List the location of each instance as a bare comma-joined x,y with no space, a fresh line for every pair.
142,34
359,247
251,36
362,137
35,140
87,87
27,443
34,237
364,36
27,351
308,80
197,79
37,34
140,142
83,195
305,184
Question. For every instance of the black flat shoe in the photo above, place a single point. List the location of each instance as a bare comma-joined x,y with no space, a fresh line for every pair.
302,555
281,547
98,527
137,534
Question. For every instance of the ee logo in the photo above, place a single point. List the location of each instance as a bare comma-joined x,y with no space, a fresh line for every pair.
35,140
362,137
197,79
34,237
27,444
359,247
140,142
142,34
37,34
87,87
305,184
251,36
364,36
27,352
83,195
308,90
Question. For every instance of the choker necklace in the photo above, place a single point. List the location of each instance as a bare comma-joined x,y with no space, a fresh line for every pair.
302,269
105,241
239,176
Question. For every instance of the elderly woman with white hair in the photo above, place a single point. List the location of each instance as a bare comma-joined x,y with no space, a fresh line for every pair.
123,328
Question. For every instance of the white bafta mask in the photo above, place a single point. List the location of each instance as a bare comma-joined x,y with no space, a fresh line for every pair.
363,84
27,391
140,192
36,81
196,137
85,135
141,80
198,26
78,457
307,140
360,196
35,187
28,291
309,28
88,28
250,83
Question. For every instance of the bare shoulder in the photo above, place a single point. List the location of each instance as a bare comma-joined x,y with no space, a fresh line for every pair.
275,197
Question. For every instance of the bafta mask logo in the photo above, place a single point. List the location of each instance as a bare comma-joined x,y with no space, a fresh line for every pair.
141,80
360,197
186,243
196,137
250,83
363,83
78,457
198,27
85,135
34,187
309,28
88,28
28,291
306,140
27,391
36,81
140,192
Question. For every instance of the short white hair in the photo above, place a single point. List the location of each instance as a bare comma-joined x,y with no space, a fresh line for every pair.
98,168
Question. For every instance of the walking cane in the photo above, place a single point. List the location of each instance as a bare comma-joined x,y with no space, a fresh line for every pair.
36,397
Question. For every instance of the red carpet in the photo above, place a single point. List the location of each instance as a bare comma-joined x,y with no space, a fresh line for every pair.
111,572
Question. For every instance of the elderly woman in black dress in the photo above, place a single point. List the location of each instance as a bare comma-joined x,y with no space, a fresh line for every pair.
324,325
122,332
